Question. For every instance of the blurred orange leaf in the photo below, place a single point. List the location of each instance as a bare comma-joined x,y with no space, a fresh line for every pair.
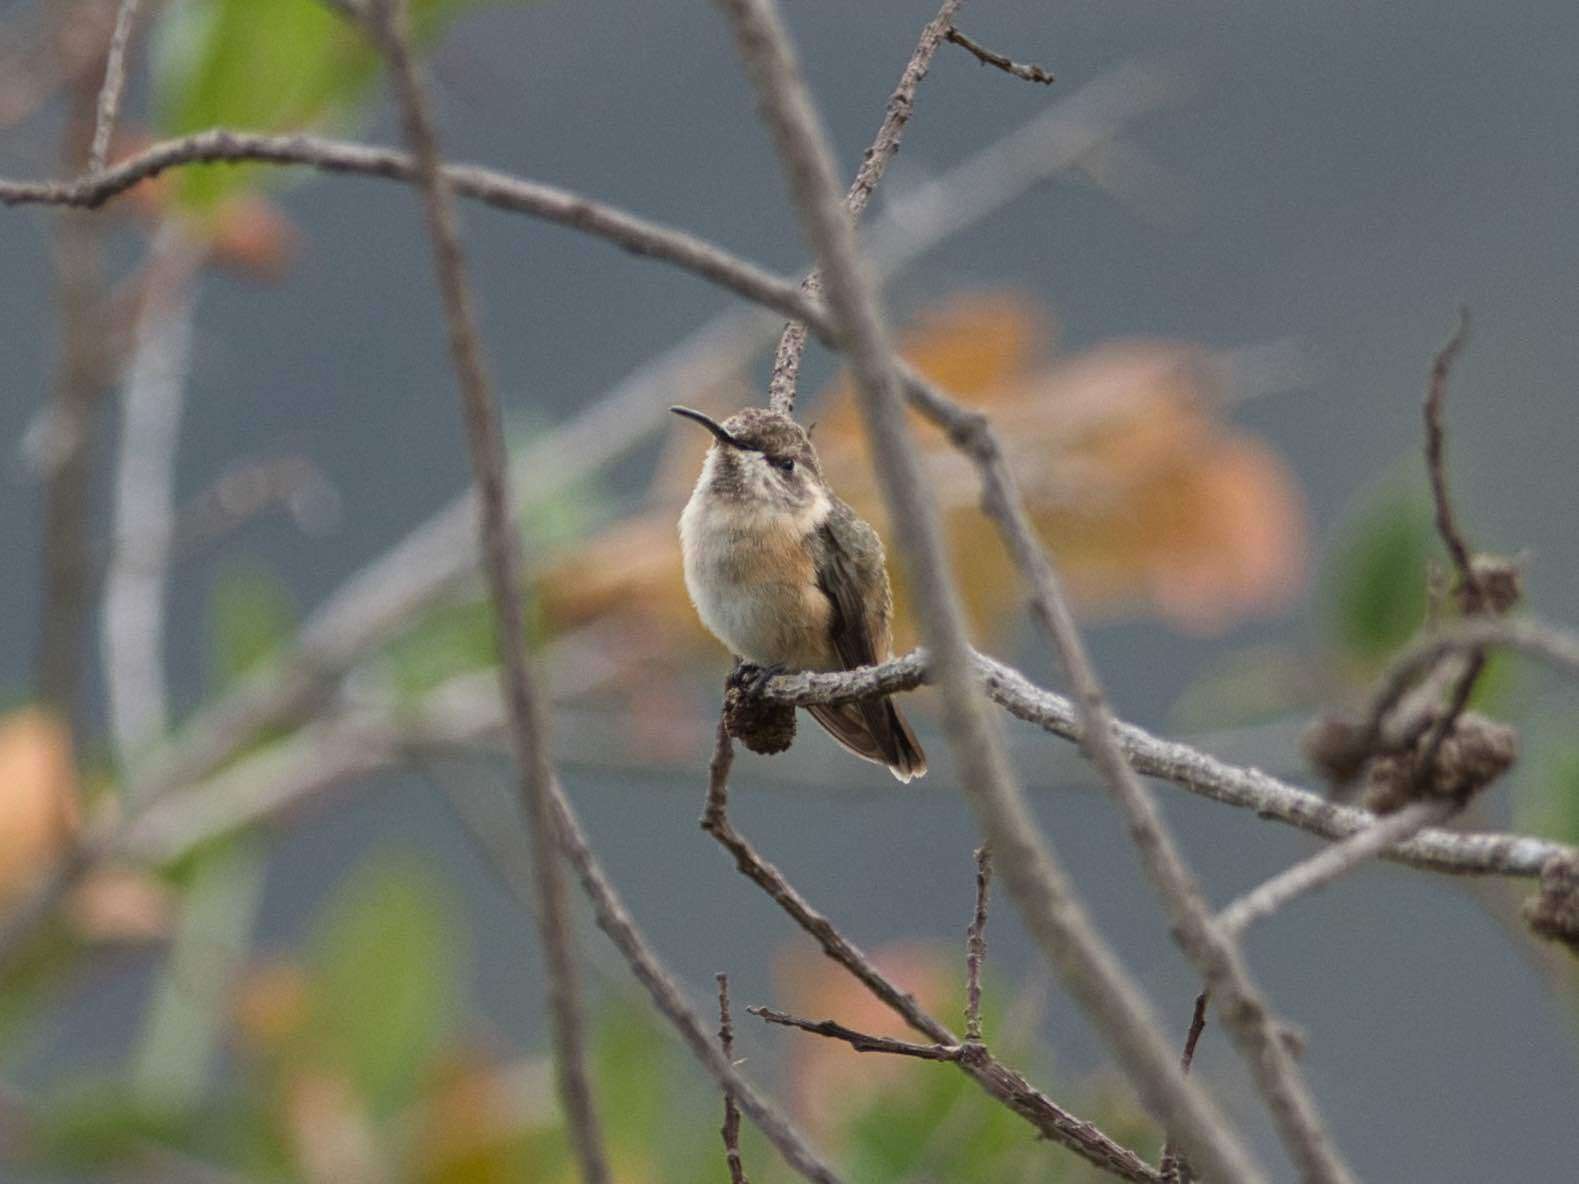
823,1073
38,796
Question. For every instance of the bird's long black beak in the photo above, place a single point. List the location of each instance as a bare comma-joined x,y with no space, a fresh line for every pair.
710,424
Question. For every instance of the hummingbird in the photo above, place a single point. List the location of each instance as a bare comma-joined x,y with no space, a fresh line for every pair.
787,576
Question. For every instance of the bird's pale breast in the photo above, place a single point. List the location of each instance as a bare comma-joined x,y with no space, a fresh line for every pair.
753,580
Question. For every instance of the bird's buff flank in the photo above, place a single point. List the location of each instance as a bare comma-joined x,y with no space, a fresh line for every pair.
784,573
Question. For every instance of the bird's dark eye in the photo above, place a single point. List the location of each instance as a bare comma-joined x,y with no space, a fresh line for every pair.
784,464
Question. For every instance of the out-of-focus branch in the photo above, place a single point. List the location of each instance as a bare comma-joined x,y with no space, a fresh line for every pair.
109,103
1215,954
1173,1167
792,345
1328,865
987,57
502,568
153,396
66,452
1556,646
1038,884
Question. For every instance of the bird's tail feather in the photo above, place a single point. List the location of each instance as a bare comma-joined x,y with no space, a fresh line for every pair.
876,731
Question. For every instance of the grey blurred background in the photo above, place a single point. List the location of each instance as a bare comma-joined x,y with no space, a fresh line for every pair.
1350,174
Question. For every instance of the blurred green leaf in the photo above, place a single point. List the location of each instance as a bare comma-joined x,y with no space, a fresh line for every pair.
184,1020
451,638
387,961
1378,584
457,635
266,66
252,615
1549,803
647,1094
91,1124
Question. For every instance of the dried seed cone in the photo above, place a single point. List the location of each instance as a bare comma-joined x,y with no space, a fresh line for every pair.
762,727
1554,911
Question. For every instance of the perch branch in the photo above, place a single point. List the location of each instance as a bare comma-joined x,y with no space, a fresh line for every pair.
1035,880
792,345
501,562
988,58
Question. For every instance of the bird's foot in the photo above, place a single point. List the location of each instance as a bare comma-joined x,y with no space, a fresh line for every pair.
751,678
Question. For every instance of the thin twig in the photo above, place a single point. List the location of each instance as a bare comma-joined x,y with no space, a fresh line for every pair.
998,1080
792,344
988,58
860,1041
501,562
615,921
1330,863
730,1131
976,945
1173,1166
1472,592
1436,462
114,81
1041,889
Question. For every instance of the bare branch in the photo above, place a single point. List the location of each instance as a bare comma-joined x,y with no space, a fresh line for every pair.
860,1041
1436,462
1557,647
997,1079
1043,892
976,945
501,563
1214,954
731,1128
615,920
1329,864
1173,1167
792,345
988,58
114,80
